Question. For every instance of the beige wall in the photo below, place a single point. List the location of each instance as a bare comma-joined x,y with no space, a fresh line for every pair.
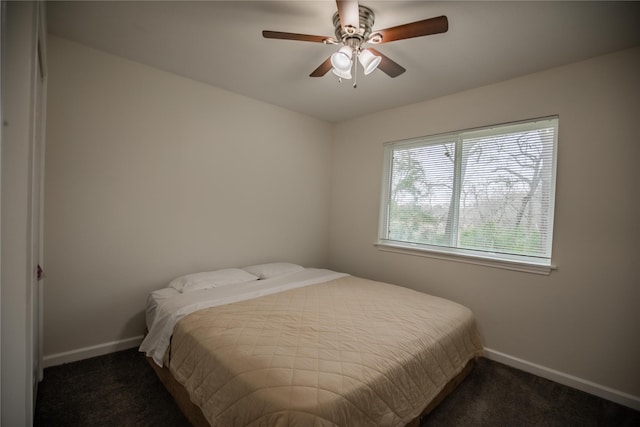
582,320
150,176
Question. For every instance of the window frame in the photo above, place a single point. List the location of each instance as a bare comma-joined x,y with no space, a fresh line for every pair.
529,264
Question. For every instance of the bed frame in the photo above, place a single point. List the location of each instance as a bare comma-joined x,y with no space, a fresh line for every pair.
197,419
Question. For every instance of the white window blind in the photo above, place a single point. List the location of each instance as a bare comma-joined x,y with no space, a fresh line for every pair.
486,193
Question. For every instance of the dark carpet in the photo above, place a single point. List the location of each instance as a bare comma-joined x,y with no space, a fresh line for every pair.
121,389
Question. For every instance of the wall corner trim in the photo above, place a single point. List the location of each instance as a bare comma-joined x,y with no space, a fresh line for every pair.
599,390
92,351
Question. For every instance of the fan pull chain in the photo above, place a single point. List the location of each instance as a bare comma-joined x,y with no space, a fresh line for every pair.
355,73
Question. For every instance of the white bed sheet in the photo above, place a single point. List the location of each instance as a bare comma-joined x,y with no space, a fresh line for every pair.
165,307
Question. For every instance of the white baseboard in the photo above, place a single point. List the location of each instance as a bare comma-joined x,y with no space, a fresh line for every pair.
569,380
92,351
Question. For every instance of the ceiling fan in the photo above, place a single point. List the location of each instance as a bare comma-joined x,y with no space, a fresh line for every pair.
353,30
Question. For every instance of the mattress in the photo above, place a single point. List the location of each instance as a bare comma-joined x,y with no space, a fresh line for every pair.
165,307
323,349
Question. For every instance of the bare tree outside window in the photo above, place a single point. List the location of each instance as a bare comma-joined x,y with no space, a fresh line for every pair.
488,190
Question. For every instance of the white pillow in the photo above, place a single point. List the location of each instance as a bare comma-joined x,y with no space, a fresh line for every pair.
267,271
211,279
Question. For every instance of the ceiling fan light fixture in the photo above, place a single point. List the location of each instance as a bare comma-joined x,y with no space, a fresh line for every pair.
369,61
341,60
353,24
342,74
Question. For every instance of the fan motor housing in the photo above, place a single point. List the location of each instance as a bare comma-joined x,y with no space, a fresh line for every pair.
367,19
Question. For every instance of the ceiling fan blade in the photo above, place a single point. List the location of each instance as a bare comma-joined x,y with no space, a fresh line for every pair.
294,36
349,13
388,66
322,69
425,27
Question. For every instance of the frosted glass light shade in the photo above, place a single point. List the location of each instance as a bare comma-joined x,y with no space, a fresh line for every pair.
369,61
341,60
342,74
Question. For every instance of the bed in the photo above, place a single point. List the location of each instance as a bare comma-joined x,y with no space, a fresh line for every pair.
281,345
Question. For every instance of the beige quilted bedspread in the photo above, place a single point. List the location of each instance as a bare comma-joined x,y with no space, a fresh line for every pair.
349,352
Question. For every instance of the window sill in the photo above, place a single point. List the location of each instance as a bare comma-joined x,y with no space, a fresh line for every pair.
468,258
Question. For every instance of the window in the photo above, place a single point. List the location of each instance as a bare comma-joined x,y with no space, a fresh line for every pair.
483,195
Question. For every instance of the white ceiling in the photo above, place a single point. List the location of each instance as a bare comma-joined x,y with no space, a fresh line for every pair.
221,43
